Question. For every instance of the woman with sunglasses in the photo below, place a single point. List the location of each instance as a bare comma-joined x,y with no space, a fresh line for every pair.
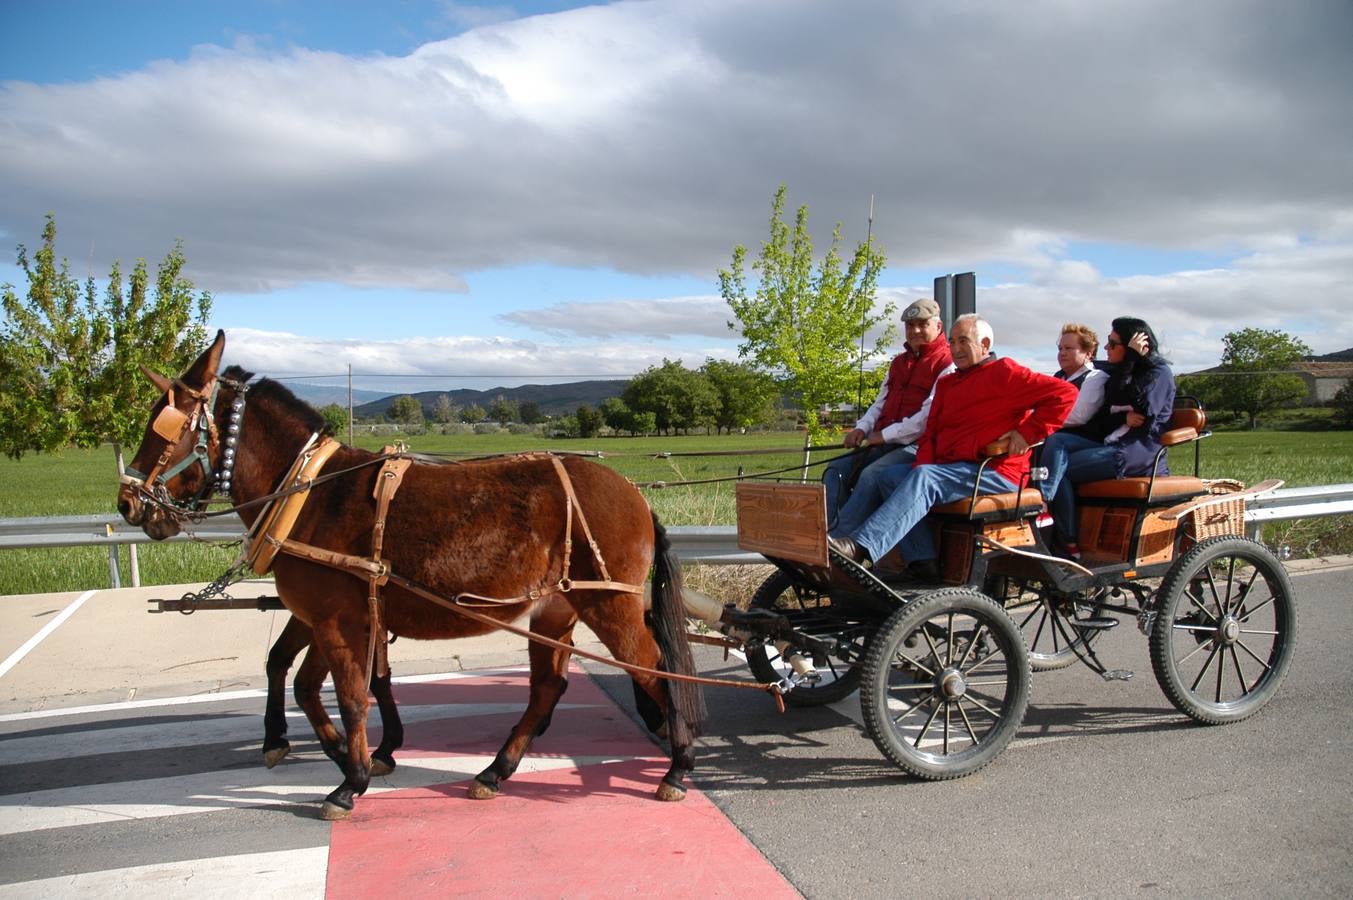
1122,438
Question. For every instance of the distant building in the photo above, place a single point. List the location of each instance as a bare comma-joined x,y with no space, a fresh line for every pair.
1324,375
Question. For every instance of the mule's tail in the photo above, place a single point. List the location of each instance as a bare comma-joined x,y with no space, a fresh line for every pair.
668,620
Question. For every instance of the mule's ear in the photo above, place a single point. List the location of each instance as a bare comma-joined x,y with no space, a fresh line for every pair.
204,370
161,383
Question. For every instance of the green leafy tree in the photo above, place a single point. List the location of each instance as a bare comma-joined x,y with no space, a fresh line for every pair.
804,325
589,421
443,409
642,423
1343,404
70,360
336,417
529,412
1252,379
473,414
678,398
746,396
617,416
406,410
503,410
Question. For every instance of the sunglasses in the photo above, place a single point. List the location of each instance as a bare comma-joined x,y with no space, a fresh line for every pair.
1111,343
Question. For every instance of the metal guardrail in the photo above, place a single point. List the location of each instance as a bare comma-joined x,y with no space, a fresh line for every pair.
709,545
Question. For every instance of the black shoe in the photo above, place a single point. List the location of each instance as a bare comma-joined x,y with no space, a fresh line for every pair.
848,548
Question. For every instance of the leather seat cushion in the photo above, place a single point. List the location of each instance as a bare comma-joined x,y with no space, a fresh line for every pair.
1169,488
992,505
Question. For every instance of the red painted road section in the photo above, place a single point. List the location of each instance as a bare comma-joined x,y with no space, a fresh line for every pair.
589,831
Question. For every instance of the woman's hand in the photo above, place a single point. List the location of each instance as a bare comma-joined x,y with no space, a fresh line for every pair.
1135,420
1141,343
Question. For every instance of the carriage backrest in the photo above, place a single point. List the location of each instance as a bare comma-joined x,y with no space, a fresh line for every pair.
1186,424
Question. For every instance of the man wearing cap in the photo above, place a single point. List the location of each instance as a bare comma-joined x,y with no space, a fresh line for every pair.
896,419
985,400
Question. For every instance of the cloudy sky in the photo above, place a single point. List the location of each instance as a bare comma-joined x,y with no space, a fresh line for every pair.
541,191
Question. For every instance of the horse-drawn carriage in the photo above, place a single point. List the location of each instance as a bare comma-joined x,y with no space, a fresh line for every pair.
944,669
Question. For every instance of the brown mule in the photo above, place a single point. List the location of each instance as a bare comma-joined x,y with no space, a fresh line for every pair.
493,528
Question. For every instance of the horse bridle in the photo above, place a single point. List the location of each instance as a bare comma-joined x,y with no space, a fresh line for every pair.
172,424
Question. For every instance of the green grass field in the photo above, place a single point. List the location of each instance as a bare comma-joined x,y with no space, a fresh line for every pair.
82,482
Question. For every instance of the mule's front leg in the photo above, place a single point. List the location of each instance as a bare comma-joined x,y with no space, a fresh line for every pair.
294,638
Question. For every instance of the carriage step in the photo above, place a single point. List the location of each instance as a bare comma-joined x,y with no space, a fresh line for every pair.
1118,674
1100,624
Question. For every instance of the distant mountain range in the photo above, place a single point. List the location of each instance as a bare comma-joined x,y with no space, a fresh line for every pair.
552,399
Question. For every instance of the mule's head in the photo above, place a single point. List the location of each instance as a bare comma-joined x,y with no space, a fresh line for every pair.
179,450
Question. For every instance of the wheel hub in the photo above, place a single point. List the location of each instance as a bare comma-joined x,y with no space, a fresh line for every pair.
951,684
1228,632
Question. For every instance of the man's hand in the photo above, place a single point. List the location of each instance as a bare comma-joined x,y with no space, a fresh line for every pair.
1135,420
1018,444
853,438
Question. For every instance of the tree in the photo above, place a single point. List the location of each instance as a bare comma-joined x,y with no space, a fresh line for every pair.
503,410
678,398
336,417
529,412
473,414
406,410
617,415
805,326
443,409
70,361
589,421
1253,364
1343,404
745,395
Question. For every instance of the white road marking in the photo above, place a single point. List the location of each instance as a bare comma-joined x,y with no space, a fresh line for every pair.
298,874
306,780
42,634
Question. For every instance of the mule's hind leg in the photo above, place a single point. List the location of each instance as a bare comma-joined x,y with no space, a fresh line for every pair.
294,638
618,622
306,688
554,619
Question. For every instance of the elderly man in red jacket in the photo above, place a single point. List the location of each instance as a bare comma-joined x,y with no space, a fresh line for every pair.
985,400
888,430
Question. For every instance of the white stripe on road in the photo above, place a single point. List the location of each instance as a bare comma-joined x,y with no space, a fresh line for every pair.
298,874
243,728
306,780
226,695
42,634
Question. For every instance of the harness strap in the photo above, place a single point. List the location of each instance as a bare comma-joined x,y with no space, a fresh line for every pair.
571,505
388,480
272,527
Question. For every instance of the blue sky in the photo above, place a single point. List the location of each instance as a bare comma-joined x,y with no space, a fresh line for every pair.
545,191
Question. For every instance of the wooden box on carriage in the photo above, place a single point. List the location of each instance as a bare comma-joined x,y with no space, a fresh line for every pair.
783,520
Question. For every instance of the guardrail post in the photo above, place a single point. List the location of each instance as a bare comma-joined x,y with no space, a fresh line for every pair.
112,566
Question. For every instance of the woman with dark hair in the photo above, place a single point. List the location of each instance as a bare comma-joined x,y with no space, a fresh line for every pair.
1120,440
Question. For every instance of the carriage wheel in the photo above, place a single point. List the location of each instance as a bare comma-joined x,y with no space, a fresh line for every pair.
947,683
811,613
1225,630
1052,636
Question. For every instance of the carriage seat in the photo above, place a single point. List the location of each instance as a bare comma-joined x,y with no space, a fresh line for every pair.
1186,424
994,507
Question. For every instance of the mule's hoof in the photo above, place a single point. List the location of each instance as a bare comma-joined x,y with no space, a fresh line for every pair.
381,767
481,791
275,755
332,812
669,793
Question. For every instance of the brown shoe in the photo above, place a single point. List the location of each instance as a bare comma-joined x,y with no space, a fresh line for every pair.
848,548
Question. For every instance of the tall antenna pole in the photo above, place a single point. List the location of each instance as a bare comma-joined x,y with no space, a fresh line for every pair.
868,244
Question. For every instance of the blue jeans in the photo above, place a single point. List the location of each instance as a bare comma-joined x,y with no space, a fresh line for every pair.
890,505
1070,460
836,474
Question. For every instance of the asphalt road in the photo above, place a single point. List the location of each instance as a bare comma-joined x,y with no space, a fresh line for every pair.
1107,791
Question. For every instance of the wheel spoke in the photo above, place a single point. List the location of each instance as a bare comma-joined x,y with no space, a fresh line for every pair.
948,716
907,659
1206,665
909,710
967,723
976,636
949,640
982,706
1230,589
930,643
1221,671
1187,656
1251,654
926,728
1202,607
1246,613
1240,676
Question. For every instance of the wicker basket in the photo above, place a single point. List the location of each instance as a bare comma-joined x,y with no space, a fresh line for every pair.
1218,519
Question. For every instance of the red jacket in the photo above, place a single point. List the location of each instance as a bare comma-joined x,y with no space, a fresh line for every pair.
974,407
910,378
